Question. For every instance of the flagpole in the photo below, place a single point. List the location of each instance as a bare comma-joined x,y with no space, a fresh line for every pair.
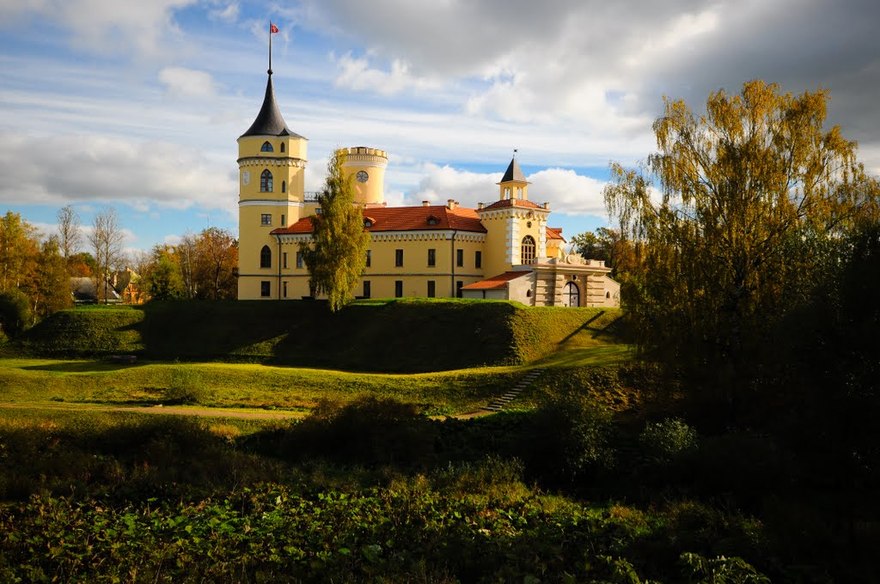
270,47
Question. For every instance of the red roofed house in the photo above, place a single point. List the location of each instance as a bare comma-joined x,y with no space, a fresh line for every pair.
503,250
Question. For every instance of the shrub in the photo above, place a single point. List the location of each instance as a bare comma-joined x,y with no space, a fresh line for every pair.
369,431
570,440
185,387
15,312
667,439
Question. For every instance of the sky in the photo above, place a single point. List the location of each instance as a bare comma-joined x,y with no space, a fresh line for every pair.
137,105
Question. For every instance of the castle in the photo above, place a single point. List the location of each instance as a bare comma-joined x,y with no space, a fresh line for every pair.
503,250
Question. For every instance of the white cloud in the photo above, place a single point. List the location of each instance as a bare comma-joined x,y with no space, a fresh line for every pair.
355,73
226,12
565,190
441,183
107,26
96,168
568,192
184,82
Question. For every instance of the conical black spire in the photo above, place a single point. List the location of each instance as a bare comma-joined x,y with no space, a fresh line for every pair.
513,173
269,121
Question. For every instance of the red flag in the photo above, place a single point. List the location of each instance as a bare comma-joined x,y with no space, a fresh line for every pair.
272,28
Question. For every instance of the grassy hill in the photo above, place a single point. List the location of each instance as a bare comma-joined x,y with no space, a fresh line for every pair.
381,335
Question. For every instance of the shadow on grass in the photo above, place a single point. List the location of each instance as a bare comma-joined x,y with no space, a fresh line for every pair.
598,355
82,366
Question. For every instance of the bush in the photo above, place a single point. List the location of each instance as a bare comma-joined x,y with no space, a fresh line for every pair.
570,440
369,431
666,440
185,388
15,313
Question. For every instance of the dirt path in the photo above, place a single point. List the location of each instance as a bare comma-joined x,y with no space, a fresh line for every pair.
157,410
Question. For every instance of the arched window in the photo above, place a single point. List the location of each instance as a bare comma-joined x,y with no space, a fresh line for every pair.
528,250
265,257
283,187
266,147
266,182
571,296
282,146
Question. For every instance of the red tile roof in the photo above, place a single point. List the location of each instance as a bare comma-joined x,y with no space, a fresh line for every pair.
407,219
495,282
521,203
555,233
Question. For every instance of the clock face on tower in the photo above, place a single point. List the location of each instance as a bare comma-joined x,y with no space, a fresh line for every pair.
245,177
362,176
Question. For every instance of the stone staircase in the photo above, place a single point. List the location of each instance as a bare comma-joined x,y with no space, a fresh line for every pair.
499,403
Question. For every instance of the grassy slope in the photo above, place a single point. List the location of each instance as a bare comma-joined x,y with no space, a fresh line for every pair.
388,336
241,385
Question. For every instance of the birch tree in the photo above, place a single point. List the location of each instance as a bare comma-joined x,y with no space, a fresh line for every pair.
751,200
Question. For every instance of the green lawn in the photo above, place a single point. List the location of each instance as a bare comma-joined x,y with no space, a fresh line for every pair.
70,384
226,385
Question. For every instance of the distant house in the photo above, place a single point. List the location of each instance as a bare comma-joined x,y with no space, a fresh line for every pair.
122,286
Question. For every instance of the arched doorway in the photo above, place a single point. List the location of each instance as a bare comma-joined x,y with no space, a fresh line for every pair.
571,295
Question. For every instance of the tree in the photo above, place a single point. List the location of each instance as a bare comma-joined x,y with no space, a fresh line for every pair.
589,246
50,289
82,264
161,275
337,256
18,250
106,239
216,258
69,233
186,258
754,195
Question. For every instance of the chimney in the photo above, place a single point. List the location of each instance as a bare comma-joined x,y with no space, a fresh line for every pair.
451,204
546,205
479,206
426,203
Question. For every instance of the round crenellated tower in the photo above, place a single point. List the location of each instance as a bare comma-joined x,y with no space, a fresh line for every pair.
367,165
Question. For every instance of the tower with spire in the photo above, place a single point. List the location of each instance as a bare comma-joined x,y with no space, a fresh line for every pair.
271,166
516,228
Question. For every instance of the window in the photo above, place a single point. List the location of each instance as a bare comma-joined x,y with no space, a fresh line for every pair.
283,218
369,258
478,259
432,288
266,181
527,253
283,187
398,288
266,147
571,296
266,219
458,285
265,288
432,258
282,147
367,290
299,260
459,258
284,289
398,258
265,257
284,261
